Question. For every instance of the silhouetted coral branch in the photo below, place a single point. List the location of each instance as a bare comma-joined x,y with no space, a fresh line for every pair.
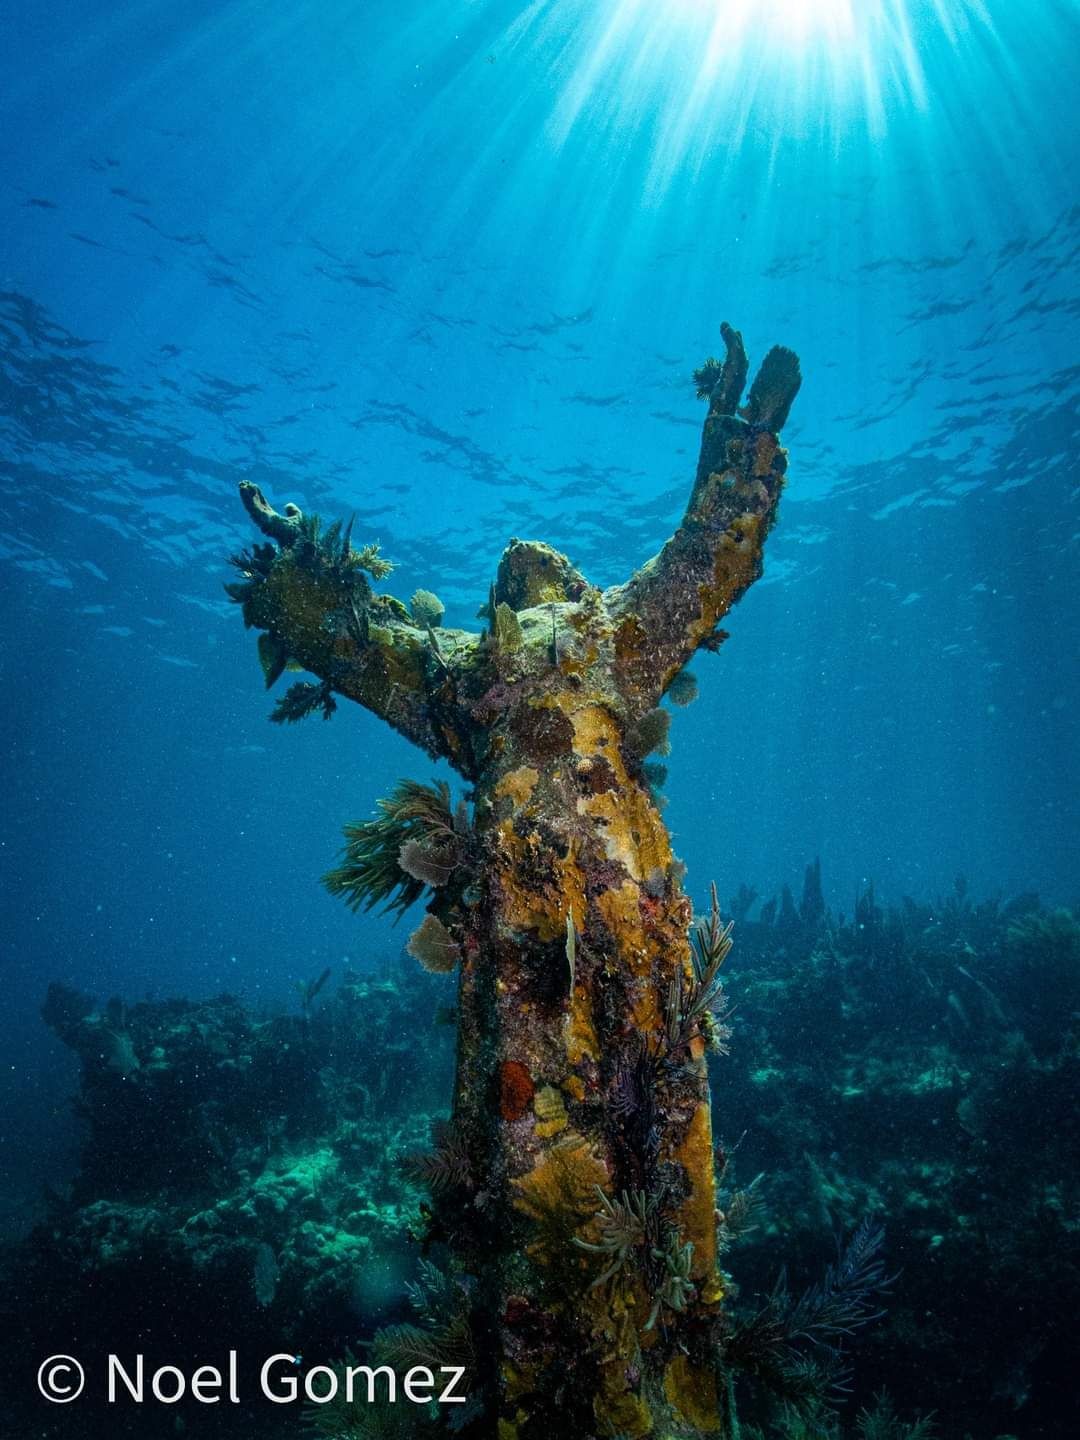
445,1167
302,700
792,1346
843,1301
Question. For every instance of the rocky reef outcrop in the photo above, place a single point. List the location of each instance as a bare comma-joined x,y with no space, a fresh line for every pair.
919,1062
243,1179
270,1179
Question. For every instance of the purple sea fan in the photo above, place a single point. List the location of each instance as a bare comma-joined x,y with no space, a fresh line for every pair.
433,945
430,864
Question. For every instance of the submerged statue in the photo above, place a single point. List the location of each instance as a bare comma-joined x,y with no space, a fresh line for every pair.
575,1181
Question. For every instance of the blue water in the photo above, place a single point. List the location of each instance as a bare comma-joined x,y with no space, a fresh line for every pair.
450,267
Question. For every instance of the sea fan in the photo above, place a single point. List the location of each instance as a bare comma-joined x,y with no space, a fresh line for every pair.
506,629
430,864
371,872
426,609
433,945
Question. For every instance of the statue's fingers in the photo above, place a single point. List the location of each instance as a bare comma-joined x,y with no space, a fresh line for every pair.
774,389
727,392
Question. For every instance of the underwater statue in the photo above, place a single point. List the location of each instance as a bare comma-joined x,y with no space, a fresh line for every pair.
574,1183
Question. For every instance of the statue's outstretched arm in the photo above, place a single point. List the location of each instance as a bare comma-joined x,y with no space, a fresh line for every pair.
673,604
310,593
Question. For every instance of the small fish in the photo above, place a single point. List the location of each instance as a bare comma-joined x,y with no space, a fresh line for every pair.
571,946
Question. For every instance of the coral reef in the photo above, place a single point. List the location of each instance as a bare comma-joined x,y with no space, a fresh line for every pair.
920,1063
263,1177
240,1175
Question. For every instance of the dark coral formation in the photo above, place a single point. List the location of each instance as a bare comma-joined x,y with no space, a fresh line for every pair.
921,1062
242,1177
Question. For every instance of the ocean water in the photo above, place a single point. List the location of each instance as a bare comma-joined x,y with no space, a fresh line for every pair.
450,268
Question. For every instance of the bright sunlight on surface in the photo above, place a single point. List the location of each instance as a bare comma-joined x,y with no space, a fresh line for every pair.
802,68
798,21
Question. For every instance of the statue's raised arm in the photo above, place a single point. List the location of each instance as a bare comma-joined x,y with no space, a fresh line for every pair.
674,603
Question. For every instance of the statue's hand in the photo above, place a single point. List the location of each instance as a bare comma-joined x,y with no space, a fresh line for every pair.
282,528
772,392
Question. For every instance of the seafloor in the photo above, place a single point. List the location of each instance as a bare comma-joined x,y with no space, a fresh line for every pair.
265,1176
